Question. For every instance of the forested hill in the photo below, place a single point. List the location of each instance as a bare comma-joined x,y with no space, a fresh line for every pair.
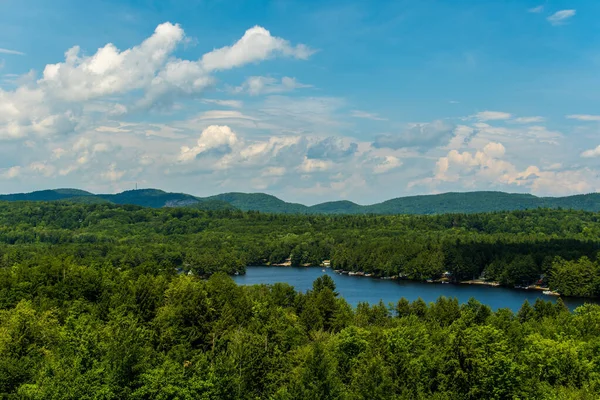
470,202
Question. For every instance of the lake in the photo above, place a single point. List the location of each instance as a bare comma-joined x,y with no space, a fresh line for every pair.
356,289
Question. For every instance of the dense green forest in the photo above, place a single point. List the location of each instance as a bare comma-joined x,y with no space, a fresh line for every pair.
69,331
471,202
514,248
109,301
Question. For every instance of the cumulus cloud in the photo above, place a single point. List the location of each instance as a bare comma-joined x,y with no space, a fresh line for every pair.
487,160
110,83
584,117
331,148
257,85
560,17
215,137
311,165
591,153
256,44
487,168
421,136
388,163
110,71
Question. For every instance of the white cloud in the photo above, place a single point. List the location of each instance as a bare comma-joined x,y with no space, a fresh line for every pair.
332,148
312,165
72,95
584,117
223,114
366,115
10,173
213,137
42,168
113,174
257,85
492,115
591,153
420,136
273,172
387,164
560,17
528,120
111,71
487,168
256,44
225,103
536,10
13,52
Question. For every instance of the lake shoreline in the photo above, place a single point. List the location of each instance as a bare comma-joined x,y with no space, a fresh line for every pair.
478,282
371,291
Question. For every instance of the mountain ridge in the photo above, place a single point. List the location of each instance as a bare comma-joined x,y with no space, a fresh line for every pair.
451,202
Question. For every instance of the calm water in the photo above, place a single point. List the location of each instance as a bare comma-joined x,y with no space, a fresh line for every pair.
356,289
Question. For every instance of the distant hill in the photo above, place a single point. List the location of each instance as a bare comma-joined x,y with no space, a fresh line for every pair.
470,202
45,195
153,198
260,202
338,207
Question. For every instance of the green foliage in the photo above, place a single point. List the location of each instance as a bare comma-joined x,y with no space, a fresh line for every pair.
516,248
576,278
124,302
172,336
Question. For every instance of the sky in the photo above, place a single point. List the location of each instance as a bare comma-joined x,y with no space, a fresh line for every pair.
307,100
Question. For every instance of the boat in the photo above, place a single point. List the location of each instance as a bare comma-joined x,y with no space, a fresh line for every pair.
551,293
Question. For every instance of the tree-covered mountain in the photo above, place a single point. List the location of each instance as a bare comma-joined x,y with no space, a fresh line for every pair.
470,202
46,195
260,202
153,198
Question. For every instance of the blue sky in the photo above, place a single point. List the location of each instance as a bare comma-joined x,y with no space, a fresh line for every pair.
307,100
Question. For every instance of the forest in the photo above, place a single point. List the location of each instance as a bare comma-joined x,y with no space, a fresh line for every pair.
68,331
99,301
559,247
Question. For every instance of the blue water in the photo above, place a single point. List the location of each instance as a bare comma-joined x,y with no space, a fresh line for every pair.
356,289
